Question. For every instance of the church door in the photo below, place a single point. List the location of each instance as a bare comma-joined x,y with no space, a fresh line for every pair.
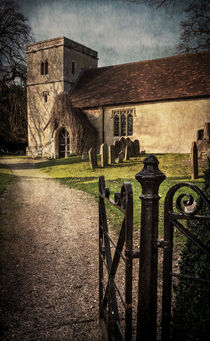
63,143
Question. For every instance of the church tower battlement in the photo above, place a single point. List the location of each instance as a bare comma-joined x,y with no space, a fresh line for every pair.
52,67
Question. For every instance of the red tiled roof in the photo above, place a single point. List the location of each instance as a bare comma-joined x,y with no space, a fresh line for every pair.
181,76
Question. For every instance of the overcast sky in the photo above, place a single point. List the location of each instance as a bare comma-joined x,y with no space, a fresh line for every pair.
121,31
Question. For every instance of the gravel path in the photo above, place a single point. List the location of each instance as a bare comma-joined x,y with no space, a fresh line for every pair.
48,258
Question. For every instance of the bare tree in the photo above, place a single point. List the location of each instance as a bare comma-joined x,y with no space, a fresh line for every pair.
195,28
15,33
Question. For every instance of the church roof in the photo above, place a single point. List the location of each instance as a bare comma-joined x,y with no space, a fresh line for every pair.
177,77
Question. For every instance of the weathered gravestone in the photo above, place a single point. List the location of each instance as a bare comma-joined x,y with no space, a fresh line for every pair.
123,143
104,155
93,158
127,152
84,156
129,147
132,151
121,157
136,147
117,145
111,154
194,161
127,140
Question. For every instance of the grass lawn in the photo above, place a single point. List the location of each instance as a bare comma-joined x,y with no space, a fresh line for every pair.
5,177
77,174
5,173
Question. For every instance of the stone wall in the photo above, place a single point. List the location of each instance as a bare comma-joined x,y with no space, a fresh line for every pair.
166,127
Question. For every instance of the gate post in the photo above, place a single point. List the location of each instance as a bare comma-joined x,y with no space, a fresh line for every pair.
150,178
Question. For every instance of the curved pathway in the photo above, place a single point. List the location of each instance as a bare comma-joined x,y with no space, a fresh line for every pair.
48,259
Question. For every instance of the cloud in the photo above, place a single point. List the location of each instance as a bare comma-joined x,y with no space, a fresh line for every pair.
119,31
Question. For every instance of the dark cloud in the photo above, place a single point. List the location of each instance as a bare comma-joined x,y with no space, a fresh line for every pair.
120,31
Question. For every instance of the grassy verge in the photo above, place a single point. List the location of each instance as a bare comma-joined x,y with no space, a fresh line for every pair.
77,174
5,177
13,157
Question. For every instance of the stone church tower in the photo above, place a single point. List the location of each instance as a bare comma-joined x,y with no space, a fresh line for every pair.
53,67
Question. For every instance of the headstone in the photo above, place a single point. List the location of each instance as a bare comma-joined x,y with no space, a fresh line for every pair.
104,155
127,140
129,149
123,143
136,147
194,161
121,157
127,152
111,154
93,158
132,152
206,133
84,156
117,146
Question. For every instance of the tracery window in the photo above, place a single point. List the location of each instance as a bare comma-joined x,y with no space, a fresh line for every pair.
123,122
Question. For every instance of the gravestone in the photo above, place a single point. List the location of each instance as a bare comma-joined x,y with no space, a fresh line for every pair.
121,157
132,151
194,161
127,140
93,158
111,154
136,147
129,149
104,155
127,152
123,143
84,156
117,145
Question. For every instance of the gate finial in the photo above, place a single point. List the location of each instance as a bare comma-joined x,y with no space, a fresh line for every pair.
150,170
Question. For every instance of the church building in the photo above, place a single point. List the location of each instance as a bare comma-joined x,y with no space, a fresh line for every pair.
164,103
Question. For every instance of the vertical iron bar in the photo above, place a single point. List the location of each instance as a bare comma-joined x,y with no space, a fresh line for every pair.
129,259
113,311
101,276
150,177
167,279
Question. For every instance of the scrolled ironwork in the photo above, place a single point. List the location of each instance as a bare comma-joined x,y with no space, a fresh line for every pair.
179,203
171,220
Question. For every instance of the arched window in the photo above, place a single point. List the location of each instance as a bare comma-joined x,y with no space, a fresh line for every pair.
73,67
42,68
46,67
123,125
130,124
116,125
123,122
45,95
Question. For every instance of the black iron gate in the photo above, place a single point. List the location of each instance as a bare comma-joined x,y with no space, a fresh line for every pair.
108,307
114,326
